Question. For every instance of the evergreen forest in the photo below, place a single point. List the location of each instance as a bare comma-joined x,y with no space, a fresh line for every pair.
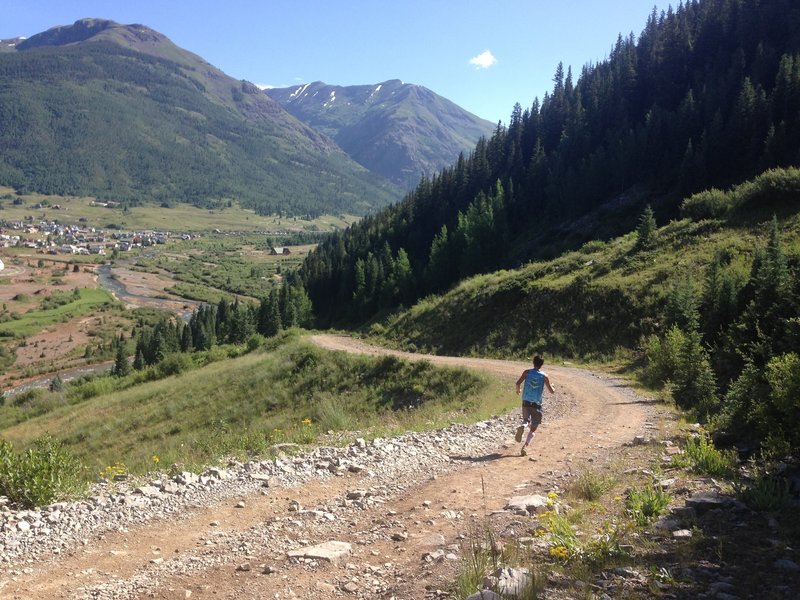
708,95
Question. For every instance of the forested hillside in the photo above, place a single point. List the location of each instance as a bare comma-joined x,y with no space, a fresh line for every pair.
708,95
120,113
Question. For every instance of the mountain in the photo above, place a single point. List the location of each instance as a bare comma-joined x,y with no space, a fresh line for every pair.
121,113
398,130
708,95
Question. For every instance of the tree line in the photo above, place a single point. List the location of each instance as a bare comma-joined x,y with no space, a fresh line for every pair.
227,322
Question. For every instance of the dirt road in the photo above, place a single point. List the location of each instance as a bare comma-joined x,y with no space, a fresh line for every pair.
230,551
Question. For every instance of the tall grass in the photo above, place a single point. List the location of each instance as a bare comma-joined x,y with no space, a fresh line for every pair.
242,405
44,473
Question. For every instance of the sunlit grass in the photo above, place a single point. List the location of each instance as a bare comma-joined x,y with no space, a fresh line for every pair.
86,301
242,406
179,216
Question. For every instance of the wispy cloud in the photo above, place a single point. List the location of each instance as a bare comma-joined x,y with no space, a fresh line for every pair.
484,60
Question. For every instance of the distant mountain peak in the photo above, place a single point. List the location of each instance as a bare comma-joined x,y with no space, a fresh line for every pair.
134,36
399,130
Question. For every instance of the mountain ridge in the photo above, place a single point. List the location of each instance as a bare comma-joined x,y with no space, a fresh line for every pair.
120,112
399,130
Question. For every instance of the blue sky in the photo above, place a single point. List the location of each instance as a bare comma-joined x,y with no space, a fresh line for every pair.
483,55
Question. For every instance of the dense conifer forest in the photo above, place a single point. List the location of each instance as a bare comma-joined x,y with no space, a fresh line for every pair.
708,95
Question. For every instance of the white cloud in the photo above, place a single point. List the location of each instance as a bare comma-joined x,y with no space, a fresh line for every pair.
484,60
265,86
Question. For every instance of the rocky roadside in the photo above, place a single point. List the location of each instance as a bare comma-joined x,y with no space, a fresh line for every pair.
30,538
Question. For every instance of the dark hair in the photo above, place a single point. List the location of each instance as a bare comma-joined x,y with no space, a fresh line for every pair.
538,361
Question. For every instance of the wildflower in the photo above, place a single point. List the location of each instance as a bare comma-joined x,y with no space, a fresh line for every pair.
306,421
559,552
156,459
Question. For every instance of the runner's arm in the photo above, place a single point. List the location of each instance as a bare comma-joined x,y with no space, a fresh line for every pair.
520,380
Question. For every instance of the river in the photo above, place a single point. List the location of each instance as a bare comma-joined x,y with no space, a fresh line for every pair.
106,279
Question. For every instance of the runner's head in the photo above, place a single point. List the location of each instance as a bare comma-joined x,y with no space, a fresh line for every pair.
538,361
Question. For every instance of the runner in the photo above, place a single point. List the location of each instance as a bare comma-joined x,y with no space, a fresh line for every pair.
534,381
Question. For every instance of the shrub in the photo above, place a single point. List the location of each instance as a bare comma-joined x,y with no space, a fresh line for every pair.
708,204
681,359
644,505
255,341
173,364
590,486
28,397
765,492
43,474
773,187
701,456
663,356
333,413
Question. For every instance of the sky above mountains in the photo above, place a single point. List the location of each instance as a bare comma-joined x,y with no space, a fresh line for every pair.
483,55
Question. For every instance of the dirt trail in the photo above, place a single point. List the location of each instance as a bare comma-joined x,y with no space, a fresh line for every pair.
588,419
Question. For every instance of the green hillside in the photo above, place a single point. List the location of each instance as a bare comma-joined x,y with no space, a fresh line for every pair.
708,95
120,113
707,307
192,410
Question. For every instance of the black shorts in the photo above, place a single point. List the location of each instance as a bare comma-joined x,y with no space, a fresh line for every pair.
533,413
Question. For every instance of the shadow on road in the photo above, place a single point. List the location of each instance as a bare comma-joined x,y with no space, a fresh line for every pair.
485,458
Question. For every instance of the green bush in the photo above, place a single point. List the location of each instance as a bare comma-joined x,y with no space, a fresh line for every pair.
663,357
89,387
701,456
590,485
644,505
681,358
765,492
708,204
43,474
173,364
771,188
255,341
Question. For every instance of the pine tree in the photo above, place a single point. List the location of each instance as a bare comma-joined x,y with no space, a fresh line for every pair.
138,360
57,384
646,232
121,365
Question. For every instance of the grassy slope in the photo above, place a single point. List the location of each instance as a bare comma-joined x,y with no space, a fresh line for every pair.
247,403
586,303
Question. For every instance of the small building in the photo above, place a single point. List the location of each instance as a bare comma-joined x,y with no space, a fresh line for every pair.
279,251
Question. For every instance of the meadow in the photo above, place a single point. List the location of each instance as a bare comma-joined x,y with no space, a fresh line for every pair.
229,401
89,212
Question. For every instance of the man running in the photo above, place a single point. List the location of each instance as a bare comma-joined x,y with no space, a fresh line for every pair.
534,381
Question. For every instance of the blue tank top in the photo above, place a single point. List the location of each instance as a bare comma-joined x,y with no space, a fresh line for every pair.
533,387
